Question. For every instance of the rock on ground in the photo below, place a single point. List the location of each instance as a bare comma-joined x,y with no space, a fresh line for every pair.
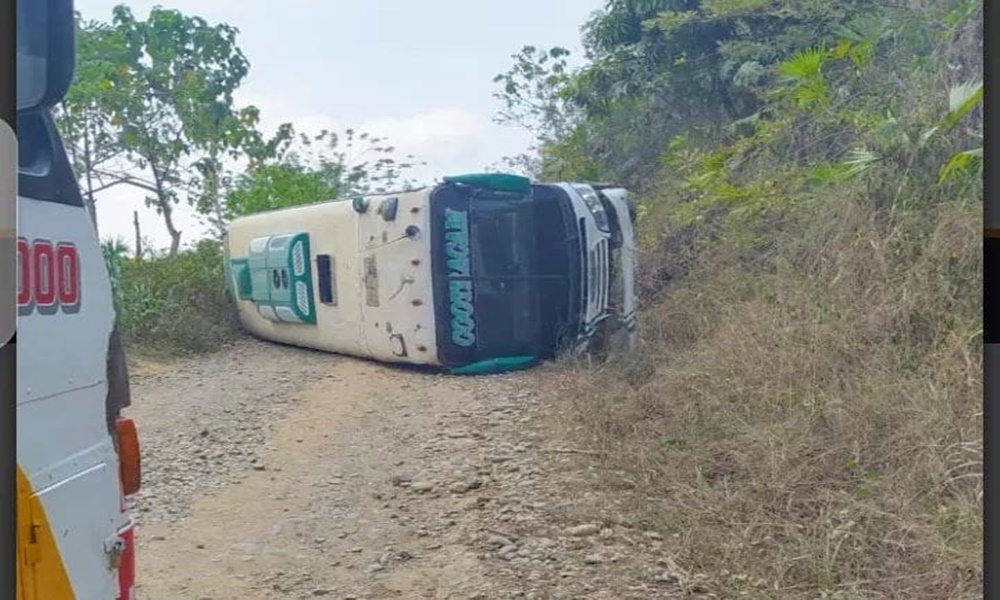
275,472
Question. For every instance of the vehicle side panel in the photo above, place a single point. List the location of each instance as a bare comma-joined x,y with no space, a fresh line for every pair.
618,198
70,474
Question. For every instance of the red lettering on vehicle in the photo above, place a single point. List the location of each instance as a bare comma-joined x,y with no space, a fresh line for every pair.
44,273
24,280
69,268
48,277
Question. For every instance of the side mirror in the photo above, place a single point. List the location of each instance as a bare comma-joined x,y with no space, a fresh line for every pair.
45,52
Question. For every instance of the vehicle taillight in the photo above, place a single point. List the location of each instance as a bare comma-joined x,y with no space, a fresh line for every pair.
129,461
126,568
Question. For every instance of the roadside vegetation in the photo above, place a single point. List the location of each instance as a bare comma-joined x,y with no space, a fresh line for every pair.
152,108
805,414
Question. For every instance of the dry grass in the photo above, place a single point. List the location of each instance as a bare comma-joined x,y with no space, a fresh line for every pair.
812,427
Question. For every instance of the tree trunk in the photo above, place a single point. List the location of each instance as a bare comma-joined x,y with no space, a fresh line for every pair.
88,175
168,218
92,209
166,209
138,235
214,190
220,219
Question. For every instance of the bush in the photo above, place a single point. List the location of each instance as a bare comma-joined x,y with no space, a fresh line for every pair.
805,411
174,304
814,423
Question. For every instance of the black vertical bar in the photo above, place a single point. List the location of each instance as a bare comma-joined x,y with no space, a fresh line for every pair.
991,391
8,62
991,295
8,362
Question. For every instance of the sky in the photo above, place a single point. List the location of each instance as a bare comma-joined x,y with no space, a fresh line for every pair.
417,72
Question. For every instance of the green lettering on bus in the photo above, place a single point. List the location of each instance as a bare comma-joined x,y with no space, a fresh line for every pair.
460,295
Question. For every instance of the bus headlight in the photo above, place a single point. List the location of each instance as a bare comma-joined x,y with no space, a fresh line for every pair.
593,203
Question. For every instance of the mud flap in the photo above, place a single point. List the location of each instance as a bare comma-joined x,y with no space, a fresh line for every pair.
119,393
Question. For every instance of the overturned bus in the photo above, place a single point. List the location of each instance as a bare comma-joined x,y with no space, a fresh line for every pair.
479,274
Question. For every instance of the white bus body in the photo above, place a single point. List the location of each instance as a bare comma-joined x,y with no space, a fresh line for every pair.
481,273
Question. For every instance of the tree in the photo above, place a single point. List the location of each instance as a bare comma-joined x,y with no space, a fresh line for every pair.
317,168
533,94
178,75
280,185
535,97
658,69
84,119
223,134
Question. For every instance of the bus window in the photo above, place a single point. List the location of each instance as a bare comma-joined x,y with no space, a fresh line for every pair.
503,264
327,279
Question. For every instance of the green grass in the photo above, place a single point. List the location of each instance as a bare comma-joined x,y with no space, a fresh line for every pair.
173,305
815,422
805,411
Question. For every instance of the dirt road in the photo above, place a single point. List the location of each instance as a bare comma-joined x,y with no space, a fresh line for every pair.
274,472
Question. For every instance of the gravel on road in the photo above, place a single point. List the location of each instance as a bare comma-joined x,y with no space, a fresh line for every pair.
277,472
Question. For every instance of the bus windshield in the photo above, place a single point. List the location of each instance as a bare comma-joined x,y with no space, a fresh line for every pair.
502,250
484,266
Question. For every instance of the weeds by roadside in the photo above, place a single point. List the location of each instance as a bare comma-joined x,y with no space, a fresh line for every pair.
169,305
805,412
814,423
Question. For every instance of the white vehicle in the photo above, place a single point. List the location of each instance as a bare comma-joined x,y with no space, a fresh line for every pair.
77,457
482,273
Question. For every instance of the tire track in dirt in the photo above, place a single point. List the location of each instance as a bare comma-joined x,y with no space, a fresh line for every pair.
310,518
377,482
